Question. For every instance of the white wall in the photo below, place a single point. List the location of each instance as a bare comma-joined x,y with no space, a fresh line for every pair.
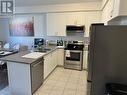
4,29
39,30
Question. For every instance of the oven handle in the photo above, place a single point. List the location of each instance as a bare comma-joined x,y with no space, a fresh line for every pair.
75,51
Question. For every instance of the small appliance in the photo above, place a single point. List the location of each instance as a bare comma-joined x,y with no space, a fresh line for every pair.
38,42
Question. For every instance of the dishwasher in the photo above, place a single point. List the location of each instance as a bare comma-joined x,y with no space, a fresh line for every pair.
37,74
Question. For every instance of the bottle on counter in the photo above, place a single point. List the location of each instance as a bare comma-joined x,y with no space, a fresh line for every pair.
61,42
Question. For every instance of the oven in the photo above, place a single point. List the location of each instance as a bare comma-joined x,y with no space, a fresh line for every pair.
73,57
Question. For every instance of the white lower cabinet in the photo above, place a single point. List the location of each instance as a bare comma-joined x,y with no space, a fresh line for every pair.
60,57
53,59
50,62
47,66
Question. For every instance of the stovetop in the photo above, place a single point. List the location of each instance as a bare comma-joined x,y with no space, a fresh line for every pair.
74,47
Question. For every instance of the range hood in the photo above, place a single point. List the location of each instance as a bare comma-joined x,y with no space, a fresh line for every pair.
75,30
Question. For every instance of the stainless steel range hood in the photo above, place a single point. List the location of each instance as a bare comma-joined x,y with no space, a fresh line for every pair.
75,30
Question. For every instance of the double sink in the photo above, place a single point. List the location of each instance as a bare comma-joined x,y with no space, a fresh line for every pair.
37,53
42,50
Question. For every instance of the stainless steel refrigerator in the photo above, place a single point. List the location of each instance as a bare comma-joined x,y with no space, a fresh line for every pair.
107,59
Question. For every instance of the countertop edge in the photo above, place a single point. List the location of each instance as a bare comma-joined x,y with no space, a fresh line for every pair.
7,59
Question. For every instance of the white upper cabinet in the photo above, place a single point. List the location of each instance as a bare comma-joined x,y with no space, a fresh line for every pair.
107,13
114,8
75,18
56,24
91,17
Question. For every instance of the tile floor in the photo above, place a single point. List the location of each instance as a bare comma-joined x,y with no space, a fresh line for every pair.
64,82
61,82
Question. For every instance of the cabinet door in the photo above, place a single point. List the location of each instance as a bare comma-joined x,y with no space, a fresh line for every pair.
50,62
113,9
54,59
75,18
60,57
47,63
116,8
119,8
107,12
122,4
56,24
91,17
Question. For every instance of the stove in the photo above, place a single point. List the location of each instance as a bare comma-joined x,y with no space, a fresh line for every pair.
74,56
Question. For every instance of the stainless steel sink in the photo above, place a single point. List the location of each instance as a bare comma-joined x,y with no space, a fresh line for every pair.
43,50
47,49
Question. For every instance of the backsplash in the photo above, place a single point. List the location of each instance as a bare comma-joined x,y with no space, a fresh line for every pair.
30,40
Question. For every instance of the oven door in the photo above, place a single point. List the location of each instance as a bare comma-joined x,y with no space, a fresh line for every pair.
74,57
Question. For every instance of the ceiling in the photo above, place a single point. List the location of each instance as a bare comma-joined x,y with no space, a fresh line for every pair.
48,2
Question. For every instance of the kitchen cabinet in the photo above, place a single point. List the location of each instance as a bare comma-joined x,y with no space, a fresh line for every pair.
91,17
113,9
47,65
56,24
24,78
19,77
54,59
107,13
75,18
50,62
60,57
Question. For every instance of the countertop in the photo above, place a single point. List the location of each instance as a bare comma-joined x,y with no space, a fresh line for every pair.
19,59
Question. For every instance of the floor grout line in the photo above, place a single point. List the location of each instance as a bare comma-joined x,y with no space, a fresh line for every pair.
66,83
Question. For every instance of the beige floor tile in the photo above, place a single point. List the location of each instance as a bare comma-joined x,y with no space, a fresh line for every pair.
73,81
56,93
82,88
56,88
53,77
69,92
64,82
51,82
60,85
41,93
71,87
81,93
